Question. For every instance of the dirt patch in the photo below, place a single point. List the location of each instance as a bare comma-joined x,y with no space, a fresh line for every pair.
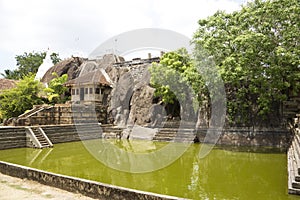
16,188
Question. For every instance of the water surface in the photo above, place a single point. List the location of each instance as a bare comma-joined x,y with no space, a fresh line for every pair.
223,174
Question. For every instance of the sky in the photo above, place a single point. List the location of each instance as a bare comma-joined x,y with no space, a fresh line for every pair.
77,27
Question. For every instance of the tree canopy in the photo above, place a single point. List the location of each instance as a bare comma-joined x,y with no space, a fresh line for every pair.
28,63
16,101
56,90
175,73
256,51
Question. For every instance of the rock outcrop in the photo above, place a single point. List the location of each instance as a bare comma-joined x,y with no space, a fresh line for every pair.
131,96
68,66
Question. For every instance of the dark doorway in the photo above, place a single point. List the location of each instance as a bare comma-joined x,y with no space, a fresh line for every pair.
81,94
173,110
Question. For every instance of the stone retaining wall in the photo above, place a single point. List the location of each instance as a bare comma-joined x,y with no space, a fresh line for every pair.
61,114
15,137
249,137
12,137
86,187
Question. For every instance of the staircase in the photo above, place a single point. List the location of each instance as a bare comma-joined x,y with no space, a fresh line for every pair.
291,107
175,132
293,162
38,137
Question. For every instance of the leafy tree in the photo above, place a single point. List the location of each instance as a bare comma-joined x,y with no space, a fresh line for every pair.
176,78
56,90
10,74
55,58
28,63
256,51
16,101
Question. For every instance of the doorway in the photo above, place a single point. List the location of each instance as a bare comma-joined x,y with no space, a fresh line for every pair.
81,94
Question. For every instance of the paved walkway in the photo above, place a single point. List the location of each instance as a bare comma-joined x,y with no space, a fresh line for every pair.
12,188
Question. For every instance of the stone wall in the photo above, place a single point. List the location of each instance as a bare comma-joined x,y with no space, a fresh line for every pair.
249,137
15,137
86,187
12,137
62,114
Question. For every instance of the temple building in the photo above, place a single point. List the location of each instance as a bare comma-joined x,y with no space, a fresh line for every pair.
90,88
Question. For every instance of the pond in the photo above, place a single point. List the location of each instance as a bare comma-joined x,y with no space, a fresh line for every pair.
225,173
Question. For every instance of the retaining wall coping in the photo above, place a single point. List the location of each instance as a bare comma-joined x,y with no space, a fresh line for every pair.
103,190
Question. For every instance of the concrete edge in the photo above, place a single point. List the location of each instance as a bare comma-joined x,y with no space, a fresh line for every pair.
85,187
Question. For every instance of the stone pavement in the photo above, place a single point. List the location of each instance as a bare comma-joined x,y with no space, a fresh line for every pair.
12,188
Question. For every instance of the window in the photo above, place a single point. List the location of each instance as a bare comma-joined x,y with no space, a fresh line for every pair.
73,91
91,90
77,91
97,91
86,90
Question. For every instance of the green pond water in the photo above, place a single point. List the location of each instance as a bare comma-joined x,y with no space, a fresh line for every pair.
223,174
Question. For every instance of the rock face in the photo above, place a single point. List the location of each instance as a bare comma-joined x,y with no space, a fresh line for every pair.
140,105
131,97
120,99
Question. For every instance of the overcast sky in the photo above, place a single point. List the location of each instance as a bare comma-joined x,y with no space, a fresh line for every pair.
77,27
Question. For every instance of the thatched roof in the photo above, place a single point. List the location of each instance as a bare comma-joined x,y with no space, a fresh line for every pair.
6,84
95,77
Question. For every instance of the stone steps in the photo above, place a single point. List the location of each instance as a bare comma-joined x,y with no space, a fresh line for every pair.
41,138
291,107
175,135
41,141
293,162
69,133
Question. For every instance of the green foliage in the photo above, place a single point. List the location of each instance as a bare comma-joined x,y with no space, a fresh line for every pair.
27,64
56,90
10,74
256,51
174,76
16,101
55,58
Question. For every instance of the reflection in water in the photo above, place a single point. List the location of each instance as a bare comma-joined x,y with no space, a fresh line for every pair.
223,174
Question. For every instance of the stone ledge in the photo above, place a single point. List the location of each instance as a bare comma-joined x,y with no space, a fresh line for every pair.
86,187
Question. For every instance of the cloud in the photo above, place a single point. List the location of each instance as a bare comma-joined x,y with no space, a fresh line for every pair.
76,27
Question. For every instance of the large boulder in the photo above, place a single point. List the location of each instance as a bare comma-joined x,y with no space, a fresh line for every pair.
68,66
120,99
131,98
140,105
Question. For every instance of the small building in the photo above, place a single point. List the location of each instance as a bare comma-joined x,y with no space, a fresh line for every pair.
90,88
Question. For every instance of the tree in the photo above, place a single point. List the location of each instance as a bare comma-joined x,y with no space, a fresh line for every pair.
56,90
16,101
10,74
55,58
176,78
256,51
28,63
